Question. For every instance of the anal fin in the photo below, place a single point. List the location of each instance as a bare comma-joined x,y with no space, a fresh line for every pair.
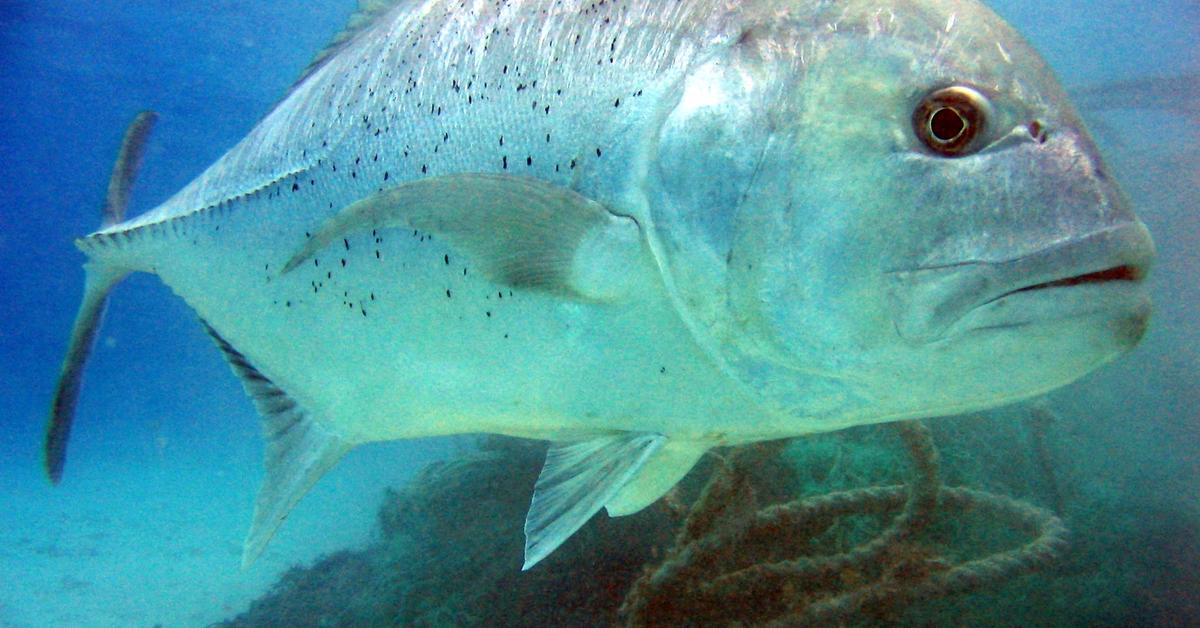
577,480
299,450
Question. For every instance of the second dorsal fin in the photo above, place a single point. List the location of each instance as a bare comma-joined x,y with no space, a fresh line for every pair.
367,13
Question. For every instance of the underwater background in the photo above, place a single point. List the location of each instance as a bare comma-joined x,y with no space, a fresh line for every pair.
147,527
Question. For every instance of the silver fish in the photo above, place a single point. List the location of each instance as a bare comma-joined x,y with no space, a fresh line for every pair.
639,230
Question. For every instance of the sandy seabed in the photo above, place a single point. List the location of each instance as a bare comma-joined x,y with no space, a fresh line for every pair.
160,544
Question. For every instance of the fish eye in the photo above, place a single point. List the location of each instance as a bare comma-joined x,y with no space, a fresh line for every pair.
948,120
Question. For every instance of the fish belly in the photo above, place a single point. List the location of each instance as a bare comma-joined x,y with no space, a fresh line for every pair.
389,334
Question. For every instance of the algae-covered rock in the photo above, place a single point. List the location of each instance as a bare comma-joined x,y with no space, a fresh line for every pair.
451,542
312,596
456,536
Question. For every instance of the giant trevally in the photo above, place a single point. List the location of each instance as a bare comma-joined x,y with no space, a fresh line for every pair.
639,230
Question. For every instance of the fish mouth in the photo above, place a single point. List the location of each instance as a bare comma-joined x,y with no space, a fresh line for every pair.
1124,272
1101,273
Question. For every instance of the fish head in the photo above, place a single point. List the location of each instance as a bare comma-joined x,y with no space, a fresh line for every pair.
896,210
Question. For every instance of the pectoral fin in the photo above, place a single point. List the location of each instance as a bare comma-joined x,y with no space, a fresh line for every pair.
520,232
577,480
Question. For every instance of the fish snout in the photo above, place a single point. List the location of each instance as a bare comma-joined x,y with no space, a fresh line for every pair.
1072,149
1127,241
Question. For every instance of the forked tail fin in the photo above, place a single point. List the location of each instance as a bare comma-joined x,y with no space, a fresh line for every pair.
100,281
125,170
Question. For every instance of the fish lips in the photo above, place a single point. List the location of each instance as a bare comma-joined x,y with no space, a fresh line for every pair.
1099,274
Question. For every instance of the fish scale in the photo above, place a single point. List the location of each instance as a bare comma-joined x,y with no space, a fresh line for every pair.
409,275
411,90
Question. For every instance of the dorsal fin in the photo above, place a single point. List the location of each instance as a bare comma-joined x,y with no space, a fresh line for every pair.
364,16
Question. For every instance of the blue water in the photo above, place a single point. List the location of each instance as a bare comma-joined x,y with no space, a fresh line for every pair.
165,456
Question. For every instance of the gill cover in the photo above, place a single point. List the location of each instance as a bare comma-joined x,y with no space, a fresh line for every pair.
720,202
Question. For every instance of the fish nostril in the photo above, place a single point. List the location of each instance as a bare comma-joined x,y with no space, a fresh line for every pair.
1037,131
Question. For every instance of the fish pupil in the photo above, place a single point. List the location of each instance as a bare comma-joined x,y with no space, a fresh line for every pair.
947,125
